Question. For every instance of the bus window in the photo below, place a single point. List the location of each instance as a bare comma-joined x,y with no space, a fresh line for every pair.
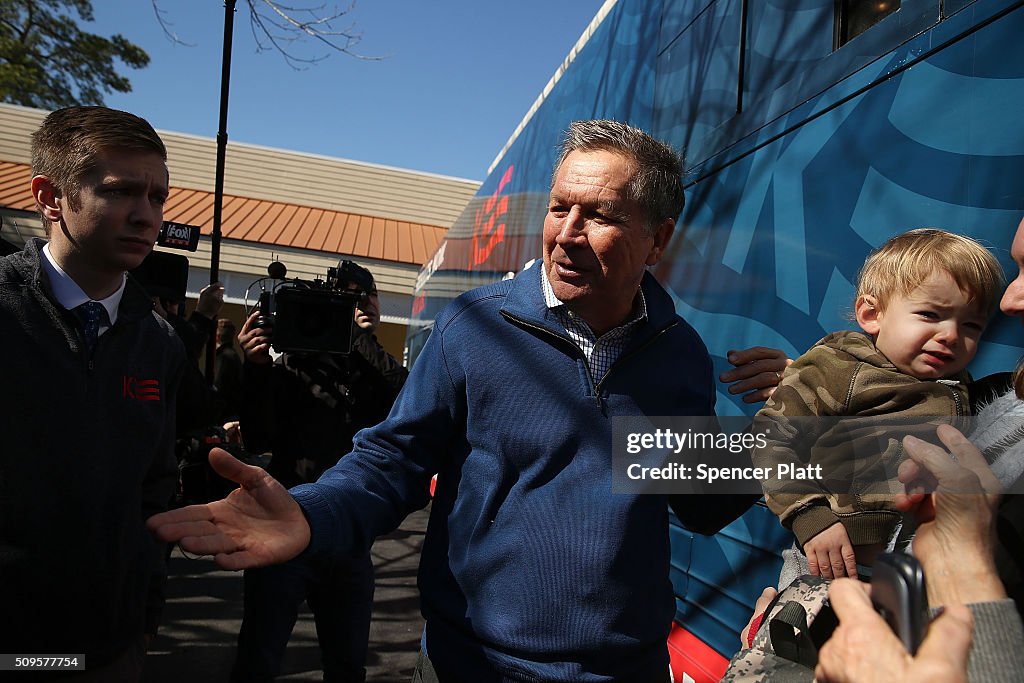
853,17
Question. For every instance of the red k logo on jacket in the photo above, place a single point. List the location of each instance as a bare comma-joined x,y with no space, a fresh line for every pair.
141,389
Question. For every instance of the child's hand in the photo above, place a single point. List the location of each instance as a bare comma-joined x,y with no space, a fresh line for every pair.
830,553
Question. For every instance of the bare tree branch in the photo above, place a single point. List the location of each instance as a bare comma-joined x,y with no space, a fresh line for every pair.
281,27
318,27
263,34
166,24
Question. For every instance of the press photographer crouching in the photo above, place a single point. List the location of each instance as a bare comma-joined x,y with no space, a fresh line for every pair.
304,408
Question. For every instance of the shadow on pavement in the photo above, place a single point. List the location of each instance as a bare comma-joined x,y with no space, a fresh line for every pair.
203,613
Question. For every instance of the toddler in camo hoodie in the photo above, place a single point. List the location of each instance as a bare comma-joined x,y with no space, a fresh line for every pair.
923,301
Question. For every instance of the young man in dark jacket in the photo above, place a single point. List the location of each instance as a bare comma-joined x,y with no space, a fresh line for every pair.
87,411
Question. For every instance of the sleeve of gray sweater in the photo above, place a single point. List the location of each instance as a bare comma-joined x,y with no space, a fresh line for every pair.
997,651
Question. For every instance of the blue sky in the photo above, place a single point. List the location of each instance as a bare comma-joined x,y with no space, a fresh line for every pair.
457,77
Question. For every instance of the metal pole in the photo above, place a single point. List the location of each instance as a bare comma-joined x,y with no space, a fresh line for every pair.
218,190
741,73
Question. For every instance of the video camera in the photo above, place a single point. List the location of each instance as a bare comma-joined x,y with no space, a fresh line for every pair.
312,315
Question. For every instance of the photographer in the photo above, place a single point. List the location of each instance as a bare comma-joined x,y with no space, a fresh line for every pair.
305,408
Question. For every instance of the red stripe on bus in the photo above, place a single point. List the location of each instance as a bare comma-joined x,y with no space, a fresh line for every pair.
689,655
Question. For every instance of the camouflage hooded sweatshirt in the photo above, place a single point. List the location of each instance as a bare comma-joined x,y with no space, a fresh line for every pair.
845,375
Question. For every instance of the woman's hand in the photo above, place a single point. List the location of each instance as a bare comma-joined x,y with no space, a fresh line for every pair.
863,649
954,497
747,634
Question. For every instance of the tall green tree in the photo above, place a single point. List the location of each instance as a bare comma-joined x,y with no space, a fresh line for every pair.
48,62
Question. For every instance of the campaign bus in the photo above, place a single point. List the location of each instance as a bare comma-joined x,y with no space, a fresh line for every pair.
813,130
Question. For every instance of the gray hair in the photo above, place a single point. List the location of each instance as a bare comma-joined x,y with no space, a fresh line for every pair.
657,183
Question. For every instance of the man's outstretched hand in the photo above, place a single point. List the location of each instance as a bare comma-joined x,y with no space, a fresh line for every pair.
256,525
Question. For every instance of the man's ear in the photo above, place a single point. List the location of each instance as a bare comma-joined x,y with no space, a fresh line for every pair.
47,198
662,235
868,313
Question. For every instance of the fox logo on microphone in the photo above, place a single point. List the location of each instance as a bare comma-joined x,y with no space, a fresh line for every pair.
178,236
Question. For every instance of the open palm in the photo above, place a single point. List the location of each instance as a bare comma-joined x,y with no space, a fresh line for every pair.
255,525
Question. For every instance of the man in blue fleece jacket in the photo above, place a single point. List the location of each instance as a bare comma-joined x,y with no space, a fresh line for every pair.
532,570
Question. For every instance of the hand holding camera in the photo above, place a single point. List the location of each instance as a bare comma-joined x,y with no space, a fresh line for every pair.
255,340
863,647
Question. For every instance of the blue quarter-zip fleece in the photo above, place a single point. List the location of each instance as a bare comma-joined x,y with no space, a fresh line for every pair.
532,569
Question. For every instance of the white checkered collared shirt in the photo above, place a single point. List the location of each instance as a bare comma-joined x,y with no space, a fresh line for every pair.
600,352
